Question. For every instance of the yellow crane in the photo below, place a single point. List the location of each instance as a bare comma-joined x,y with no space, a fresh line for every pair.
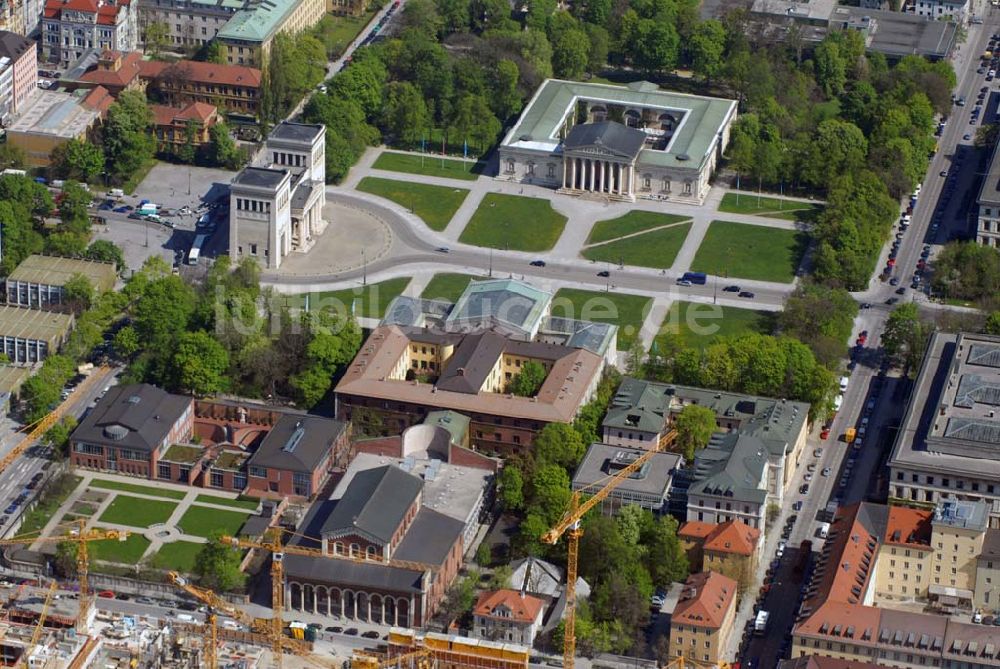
273,544
569,525
36,636
81,536
40,427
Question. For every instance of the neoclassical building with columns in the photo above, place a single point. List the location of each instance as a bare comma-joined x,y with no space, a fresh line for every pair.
618,142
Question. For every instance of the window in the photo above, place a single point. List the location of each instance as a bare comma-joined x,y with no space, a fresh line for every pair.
338,547
355,550
551,171
163,471
530,169
510,167
218,480
239,481
687,188
253,249
371,553
258,472
88,449
302,484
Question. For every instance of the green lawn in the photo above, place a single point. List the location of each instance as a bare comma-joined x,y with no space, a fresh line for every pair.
201,521
141,489
340,31
772,207
136,511
248,504
625,311
630,223
697,325
446,286
368,301
657,248
434,204
750,252
432,166
178,556
123,552
514,222
50,501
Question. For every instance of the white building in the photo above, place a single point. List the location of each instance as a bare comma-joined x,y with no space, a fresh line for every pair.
988,205
71,27
939,9
508,615
619,142
277,207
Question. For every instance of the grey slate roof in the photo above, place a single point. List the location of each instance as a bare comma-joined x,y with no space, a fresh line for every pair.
297,443
732,465
429,538
375,503
472,362
607,135
136,416
13,45
364,575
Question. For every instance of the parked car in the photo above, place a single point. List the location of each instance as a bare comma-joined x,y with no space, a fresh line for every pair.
538,263
351,631
106,594
334,629
370,634
731,289
746,294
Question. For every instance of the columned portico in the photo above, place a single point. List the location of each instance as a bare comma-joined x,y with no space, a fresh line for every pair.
611,177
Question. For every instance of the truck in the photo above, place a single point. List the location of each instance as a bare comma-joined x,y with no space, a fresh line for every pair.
760,622
850,434
147,209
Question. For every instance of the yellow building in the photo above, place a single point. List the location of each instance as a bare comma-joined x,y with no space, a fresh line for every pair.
959,527
702,622
50,120
247,36
905,560
729,548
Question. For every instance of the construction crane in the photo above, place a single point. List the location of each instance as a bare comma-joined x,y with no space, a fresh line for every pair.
36,636
569,525
272,543
81,536
40,427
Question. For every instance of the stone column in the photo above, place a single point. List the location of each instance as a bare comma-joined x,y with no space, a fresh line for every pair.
369,598
590,174
631,180
564,171
343,610
315,600
618,175
572,173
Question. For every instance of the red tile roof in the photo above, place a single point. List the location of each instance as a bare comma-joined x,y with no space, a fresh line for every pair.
99,99
733,536
523,608
106,12
197,111
909,527
847,561
849,622
202,73
120,78
705,600
695,529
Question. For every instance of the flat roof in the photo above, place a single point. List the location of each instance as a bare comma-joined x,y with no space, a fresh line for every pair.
55,113
258,20
703,118
896,33
260,177
947,426
34,324
55,271
989,193
296,132
514,304
12,377
602,461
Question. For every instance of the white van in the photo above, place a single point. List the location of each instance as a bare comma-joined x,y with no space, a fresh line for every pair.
185,617
843,383
116,193
824,530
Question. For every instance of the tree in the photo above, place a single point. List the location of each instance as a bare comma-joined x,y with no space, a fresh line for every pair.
529,380
656,46
128,143
65,559
126,342
486,14
695,425
77,159
570,54
200,364
78,293
992,325
905,336
405,115
550,492
600,46
707,45
820,317
155,37
162,312
831,67
968,270
218,566
73,208
215,52
559,444
484,556
103,250
222,149
186,151
459,598
506,98
511,485
58,434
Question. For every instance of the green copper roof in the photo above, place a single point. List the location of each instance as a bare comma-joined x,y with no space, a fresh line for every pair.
258,21
693,140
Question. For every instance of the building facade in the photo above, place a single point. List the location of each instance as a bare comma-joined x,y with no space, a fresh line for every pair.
71,27
38,282
731,549
18,73
730,482
702,622
988,205
296,457
937,10
188,23
247,36
175,127
277,208
28,336
946,446
618,142
507,616
234,89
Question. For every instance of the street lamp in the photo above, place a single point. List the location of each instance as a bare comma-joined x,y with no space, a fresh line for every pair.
364,268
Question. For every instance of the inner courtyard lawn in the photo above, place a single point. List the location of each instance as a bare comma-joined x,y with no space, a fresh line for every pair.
514,222
177,555
750,252
202,521
434,204
136,511
127,552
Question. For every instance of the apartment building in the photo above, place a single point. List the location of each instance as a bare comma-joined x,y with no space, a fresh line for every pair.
731,549
72,27
172,125
702,622
946,446
189,23
730,481
18,73
507,615
988,205
247,36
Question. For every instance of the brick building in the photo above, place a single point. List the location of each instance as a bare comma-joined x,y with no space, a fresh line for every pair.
296,456
234,89
171,124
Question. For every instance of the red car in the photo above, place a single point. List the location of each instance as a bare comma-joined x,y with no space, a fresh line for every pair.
892,262
825,434
106,594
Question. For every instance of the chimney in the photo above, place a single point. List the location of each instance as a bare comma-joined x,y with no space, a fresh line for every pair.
461,371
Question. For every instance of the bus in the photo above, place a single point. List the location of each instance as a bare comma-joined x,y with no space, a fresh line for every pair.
195,251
